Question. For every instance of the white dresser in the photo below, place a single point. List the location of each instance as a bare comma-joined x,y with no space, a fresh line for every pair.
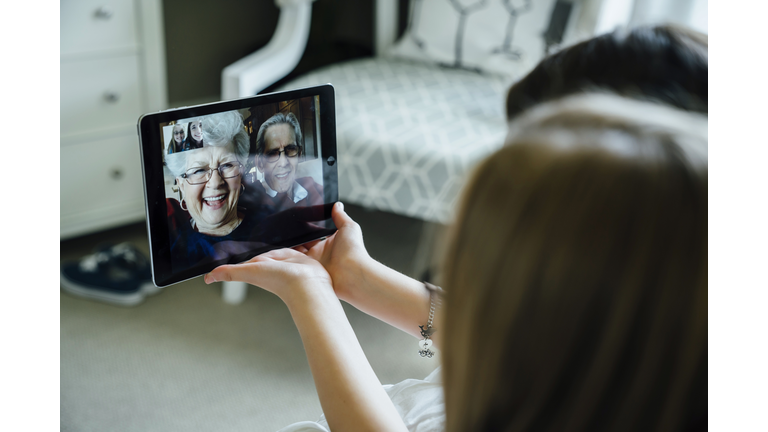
112,71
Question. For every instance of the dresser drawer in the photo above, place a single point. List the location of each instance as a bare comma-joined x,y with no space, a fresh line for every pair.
88,25
99,94
101,185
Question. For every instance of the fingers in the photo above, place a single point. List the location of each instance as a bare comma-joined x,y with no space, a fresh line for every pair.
318,248
247,271
313,243
237,272
267,274
280,254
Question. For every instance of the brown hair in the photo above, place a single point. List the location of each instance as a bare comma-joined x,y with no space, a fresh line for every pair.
576,276
666,64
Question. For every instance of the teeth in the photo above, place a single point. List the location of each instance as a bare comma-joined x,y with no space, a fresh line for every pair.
218,198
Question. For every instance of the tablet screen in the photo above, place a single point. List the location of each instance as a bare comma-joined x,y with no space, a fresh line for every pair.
238,182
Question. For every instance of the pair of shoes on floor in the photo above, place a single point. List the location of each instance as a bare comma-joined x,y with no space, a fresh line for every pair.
118,275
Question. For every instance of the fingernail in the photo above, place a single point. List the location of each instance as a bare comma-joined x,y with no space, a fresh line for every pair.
209,279
341,205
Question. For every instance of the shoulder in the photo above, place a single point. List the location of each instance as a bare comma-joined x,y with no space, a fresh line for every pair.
173,207
314,191
178,218
254,193
309,184
255,203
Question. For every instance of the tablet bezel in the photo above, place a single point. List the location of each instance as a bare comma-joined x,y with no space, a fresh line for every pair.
154,180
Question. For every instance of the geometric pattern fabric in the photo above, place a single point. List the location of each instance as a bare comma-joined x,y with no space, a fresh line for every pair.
409,133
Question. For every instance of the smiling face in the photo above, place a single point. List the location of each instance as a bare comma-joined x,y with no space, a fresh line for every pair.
178,133
196,131
281,173
213,204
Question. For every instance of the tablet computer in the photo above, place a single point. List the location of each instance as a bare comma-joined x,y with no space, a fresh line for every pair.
227,181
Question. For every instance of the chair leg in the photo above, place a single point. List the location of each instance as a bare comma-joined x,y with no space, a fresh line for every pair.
234,292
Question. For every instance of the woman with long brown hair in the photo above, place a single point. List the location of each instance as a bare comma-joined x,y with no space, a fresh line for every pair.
580,301
575,284
194,135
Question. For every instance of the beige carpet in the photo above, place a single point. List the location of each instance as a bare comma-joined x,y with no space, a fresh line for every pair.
184,360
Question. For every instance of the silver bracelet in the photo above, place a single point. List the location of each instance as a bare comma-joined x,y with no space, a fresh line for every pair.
426,333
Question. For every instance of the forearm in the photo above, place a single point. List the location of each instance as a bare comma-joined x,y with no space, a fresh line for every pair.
350,393
390,296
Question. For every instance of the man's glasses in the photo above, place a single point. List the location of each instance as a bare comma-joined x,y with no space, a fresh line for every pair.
226,170
291,150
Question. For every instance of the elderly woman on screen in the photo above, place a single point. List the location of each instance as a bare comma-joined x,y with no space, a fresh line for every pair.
210,182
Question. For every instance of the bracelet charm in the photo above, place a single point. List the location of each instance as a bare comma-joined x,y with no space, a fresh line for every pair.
428,331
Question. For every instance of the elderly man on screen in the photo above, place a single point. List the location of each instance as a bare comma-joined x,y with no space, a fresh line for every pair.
278,147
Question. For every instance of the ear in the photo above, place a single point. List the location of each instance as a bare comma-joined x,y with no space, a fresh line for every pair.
181,183
259,164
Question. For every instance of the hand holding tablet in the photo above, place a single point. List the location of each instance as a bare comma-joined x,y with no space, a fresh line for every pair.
227,181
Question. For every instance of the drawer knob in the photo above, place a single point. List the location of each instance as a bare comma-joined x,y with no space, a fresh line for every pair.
111,96
117,173
103,12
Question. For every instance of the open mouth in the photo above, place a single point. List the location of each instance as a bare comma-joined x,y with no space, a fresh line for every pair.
283,175
215,202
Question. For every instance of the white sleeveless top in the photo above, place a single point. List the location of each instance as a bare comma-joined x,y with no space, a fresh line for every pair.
419,402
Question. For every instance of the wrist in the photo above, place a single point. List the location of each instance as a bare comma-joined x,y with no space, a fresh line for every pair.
308,292
388,295
353,278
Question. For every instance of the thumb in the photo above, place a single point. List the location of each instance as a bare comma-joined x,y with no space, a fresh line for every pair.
339,216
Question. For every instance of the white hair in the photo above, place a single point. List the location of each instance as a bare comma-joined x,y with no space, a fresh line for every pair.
279,118
218,130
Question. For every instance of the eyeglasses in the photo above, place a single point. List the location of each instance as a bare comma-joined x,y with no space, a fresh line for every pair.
226,170
291,150
181,132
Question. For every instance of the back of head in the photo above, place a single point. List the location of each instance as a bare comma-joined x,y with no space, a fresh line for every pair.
576,276
666,64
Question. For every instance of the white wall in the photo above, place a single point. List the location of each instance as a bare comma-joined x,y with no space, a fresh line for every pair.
631,13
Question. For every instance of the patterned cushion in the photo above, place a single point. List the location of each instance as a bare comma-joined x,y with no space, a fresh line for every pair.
494,36
408,133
